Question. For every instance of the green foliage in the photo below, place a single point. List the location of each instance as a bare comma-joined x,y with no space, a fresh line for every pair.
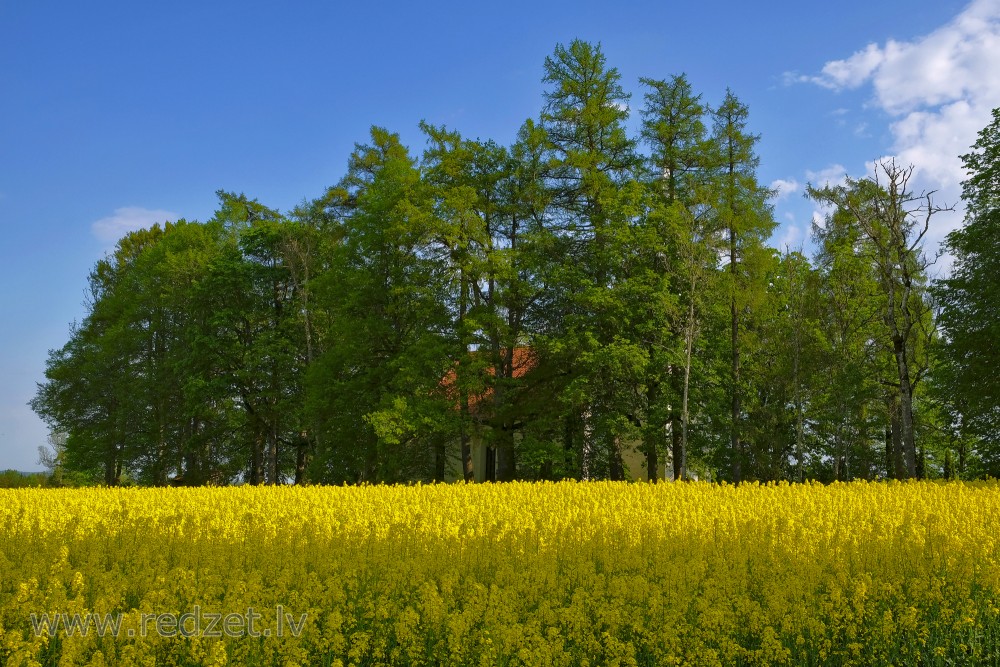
970,298
574,303
12,479
375,390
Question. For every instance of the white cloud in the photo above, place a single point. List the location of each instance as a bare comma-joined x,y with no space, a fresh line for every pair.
128,219
791,238
938,90
820,216
784,188
953,62
835,174
851,72
831,176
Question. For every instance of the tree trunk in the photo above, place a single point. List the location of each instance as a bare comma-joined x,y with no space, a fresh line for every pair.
506,470
799,462
652,462
838,436
736,446
845,460
110,465
491,465
899,468
272,454
569,442
301,449
650,438
905,410
440,461
302,456
689,348
890,456
257,457
468,469
616,468
676,446
161,448
468,466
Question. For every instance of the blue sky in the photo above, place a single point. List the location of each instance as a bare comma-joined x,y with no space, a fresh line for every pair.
116,115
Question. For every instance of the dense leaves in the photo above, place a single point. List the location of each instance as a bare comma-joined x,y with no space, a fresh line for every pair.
581,303
970,297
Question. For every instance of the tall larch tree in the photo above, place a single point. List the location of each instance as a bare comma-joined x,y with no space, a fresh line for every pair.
592,160
745,219
678,168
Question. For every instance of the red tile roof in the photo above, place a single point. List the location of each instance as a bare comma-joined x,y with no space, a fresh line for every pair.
524,361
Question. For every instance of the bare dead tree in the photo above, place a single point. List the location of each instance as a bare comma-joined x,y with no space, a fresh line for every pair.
894,221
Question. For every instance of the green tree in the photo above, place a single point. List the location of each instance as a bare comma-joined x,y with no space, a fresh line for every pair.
595,200
848,407
745,218
894,222
258,340
678,168
96,383
376,389
302,247
463,177
970,297
190,397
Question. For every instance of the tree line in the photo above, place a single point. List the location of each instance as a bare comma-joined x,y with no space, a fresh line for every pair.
565,299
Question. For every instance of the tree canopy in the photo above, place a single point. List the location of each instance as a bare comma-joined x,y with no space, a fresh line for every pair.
581,303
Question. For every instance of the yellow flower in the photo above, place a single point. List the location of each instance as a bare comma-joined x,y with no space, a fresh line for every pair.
548,573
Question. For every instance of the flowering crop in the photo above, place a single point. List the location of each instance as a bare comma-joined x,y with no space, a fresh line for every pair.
538,574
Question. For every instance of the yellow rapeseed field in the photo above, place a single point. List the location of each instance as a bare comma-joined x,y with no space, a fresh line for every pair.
504,574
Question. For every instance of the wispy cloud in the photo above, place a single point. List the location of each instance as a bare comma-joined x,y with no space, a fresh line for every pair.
127,219
784,188
833,175
791,238
830,176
